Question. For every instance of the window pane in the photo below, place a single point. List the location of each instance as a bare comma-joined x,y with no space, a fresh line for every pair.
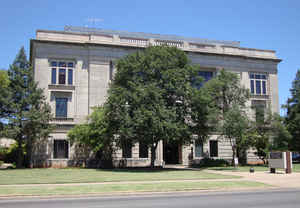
62,64
198,149
251,76
264,87
53,63
61,107
143,151
257,76
53,76
70,76
258,87
263,76
70,64
252,86
213,148
62,76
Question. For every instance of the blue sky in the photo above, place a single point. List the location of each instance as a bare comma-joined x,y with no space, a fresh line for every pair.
270,24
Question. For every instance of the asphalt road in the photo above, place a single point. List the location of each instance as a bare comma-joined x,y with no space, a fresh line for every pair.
258,199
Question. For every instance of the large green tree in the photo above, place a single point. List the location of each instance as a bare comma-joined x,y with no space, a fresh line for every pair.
152,97
293,113
93,137
229,99
27,112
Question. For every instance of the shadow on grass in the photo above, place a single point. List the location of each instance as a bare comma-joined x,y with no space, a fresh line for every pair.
223,168
149,170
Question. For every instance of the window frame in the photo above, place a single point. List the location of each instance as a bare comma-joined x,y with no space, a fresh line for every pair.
212,153
62,65
205,78
56,106
196,143
258,83
57,152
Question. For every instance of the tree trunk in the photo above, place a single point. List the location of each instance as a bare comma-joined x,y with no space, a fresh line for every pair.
153,154
233,156
28,154
20,156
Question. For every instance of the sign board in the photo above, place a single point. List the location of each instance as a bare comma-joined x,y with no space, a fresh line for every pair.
276,155
279,160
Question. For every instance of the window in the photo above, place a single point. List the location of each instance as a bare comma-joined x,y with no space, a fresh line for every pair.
259,106
206,75
65,72
61,149
61,107
198,148
258,84
213,148
259,114
143,150
126,150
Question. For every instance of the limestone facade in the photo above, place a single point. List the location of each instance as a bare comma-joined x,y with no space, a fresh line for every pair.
82,62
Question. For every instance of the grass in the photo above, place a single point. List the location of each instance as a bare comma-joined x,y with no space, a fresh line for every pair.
296,168
77,175
115,188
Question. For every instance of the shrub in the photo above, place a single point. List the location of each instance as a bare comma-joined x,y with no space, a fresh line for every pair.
210,162
3,152
10,154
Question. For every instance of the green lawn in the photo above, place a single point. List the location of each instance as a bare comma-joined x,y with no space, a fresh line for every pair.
115,188
296,168
53,176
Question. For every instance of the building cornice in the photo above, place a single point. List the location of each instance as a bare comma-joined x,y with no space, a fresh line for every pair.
32,41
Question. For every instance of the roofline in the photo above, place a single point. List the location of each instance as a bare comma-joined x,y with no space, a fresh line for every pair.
163,37
135,47
124,36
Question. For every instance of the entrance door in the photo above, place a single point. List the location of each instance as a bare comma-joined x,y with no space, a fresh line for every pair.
172,153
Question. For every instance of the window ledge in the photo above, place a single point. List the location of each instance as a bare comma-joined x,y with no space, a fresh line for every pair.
61,87
259,96
62,119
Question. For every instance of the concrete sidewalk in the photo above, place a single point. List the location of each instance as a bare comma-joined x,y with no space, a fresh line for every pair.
127,182
280,179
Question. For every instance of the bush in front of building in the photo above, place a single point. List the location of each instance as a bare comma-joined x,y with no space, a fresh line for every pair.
9,155
210,162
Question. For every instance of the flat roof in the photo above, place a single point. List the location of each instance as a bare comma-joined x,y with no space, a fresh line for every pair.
88,30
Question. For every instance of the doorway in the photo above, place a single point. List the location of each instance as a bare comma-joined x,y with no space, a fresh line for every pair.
172,152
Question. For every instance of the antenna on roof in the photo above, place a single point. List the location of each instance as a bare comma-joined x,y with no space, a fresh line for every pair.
93,21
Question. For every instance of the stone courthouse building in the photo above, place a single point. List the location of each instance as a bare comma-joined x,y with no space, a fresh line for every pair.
75,67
